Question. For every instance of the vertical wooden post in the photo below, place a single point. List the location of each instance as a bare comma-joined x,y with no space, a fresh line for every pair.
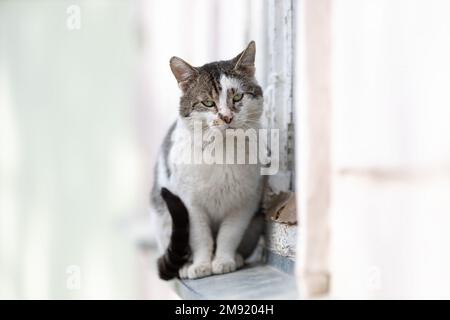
313,120
278,92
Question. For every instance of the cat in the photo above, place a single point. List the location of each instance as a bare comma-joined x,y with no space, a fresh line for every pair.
207,216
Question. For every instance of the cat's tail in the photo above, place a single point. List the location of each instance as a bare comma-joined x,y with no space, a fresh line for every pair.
177,252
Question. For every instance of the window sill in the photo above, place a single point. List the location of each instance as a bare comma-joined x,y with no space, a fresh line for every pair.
272,280
252,282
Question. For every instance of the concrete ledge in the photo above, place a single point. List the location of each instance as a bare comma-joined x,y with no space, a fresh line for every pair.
253,282
284,264
281,239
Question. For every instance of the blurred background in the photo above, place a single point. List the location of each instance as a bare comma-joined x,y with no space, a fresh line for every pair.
374,147
71,168
86,95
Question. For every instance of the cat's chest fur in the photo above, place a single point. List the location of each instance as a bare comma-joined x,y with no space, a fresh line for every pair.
216,188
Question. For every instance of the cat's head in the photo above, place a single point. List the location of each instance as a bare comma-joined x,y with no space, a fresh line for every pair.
223,94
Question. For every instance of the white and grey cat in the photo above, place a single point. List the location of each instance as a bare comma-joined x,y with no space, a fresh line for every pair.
209,222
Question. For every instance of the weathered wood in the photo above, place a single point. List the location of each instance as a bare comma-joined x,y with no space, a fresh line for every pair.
314,141
278,92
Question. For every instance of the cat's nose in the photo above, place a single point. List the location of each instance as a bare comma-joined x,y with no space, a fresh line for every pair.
226,118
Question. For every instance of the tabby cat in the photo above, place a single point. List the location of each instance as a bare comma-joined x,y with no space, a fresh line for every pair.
207,216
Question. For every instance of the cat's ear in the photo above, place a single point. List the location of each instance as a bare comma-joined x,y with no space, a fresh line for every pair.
245,61
182,71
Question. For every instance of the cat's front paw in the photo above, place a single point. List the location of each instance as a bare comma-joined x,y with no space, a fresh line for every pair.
222,265
183,272
195,271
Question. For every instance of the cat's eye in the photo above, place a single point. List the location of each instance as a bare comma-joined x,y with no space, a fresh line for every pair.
238,97
208,103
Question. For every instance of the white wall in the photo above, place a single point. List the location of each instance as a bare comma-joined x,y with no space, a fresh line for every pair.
389,150
67,149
